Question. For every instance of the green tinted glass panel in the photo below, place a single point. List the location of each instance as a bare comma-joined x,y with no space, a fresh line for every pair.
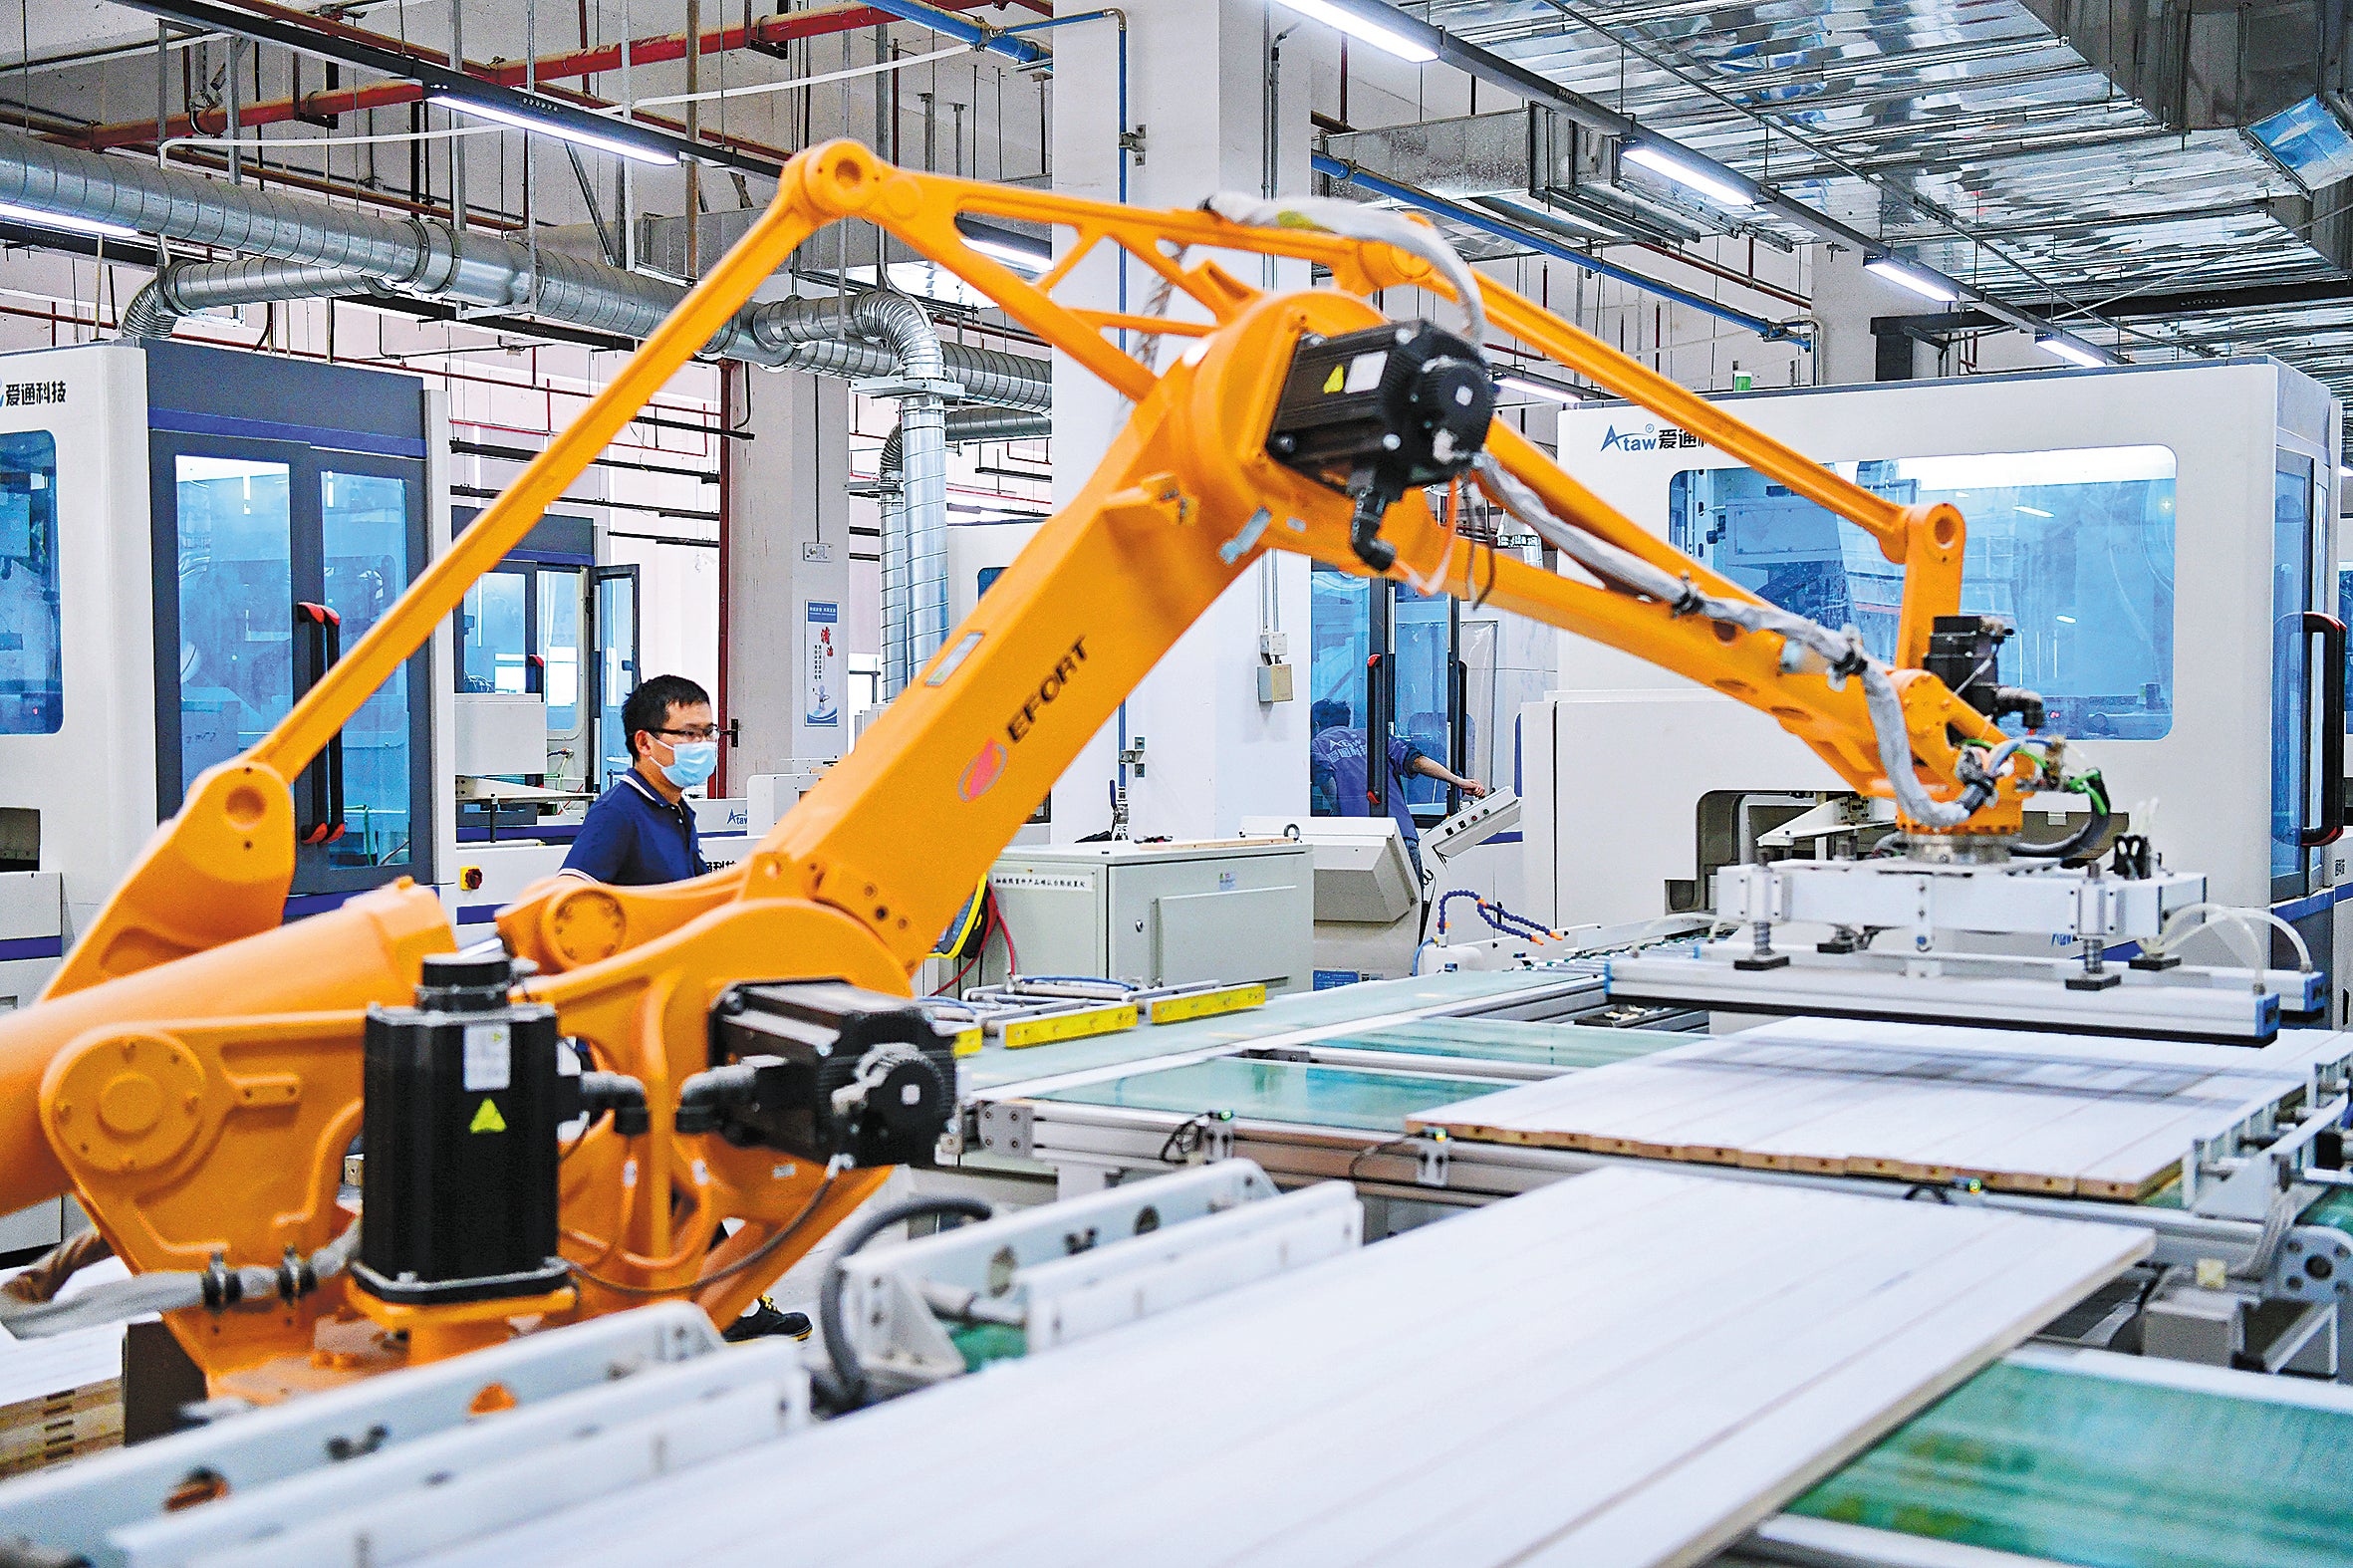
2078,1469
1280,1091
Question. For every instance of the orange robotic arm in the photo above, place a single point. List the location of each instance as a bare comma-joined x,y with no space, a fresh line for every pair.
193,1073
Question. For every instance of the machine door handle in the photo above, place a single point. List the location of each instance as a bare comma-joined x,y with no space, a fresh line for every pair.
2331,826
1377,669
319,798
534,674
1459,734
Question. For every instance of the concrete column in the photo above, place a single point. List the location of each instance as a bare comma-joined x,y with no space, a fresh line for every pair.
1198,89
788,546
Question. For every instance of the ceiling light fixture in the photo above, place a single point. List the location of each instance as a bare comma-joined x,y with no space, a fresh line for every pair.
563,130
1920,281
36,219
1527,210
1383,34
2072,351
1015,250
1538,387
1719,188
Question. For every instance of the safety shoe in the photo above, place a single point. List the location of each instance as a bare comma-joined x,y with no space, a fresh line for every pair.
763,1320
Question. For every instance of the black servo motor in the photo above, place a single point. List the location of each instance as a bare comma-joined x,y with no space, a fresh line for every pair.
1373,414
1964,653
822,1067
463,1098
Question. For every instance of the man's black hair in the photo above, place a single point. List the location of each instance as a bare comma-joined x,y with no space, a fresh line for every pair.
648,707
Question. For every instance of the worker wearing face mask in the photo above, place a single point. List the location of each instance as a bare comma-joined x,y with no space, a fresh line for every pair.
641,830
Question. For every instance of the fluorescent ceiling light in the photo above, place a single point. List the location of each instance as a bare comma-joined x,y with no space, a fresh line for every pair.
1011,252
2066,620
2072,351
1551,214
1537,386
37,218
1715,188
1918,280
1381,35
2032,511
563,131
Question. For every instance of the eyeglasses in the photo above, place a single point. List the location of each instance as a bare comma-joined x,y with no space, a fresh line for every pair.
699,732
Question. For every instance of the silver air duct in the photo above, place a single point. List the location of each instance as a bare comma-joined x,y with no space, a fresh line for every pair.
428,259
963,425
186,287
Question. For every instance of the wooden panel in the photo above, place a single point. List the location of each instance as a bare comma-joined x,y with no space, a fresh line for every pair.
1624,1369
2080,1115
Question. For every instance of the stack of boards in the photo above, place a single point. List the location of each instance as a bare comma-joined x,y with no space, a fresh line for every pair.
60,1398
2078,1114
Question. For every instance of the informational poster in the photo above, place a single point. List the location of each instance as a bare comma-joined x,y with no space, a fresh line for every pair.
821,663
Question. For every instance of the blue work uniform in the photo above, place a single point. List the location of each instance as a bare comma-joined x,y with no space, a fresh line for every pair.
1339,751
633,838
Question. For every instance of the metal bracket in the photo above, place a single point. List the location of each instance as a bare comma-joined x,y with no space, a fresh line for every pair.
1430,1158
907,387
1217,1140
1132,143
2315,1263
1005,1128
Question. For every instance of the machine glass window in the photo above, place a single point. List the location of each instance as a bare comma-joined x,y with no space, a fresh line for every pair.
559,638
617,673
2291,717
32,674
1340,626
2074,548
2345,614
236,605
364,537
1424,629
491,656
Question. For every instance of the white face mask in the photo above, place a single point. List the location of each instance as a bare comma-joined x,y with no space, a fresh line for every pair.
693,762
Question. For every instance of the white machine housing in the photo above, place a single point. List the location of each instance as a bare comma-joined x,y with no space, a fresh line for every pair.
501,733
1368,905
1229,910
93,781
1617,761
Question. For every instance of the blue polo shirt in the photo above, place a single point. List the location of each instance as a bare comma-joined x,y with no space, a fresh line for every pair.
633,838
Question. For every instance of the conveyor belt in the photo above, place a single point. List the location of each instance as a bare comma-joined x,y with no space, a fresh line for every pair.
2116,1463
1512,992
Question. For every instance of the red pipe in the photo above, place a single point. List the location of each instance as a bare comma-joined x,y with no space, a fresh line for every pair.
772,32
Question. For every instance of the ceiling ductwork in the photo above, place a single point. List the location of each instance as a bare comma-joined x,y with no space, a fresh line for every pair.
186,288
290,240
1566,172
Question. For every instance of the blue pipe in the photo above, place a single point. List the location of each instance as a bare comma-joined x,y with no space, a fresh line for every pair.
1116,14
1472,218
994,39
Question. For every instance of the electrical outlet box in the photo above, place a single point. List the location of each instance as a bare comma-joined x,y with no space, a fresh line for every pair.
819,551
1274,682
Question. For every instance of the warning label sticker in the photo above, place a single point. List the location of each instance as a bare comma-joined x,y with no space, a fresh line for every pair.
489,1057
1062,881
